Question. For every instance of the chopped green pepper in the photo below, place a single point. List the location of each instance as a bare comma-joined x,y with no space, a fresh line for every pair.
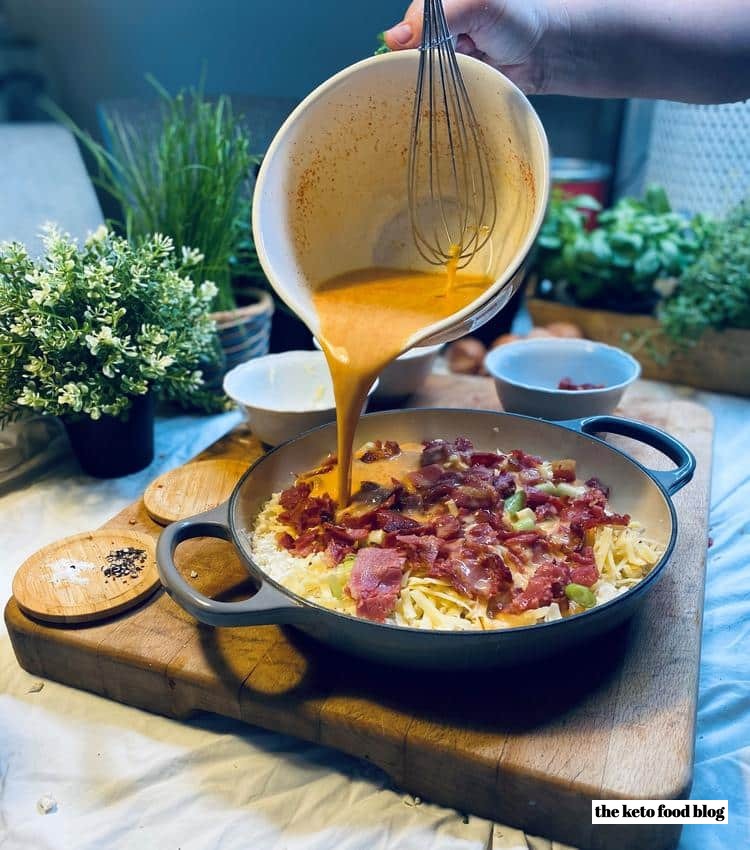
516,502
581,595
570,490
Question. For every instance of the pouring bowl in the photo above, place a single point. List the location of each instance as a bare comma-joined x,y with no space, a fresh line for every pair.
331,195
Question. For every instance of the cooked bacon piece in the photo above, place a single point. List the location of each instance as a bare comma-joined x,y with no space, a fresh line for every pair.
375,582
342,533
545,511
434,452
588,511
293,496
423,549
285,540
330,461
489,459
306,543
466,496
308,512
392,521
535,498
410,501
373,495
520,460
547,583
482,532
337,551
567,384
426,476
447,526
564,470
504,484
381,451
519,538
586,571
462,445
596,484
473,572
531,475
438,451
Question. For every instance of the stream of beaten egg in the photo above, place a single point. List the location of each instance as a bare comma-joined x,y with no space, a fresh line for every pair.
366,318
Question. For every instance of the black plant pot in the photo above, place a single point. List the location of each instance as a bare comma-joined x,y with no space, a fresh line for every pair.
110,447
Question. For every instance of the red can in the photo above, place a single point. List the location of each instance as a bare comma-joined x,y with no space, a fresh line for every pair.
582,177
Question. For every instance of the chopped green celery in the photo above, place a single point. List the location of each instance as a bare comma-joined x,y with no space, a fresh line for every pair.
565,489
516,502
547,487
375,537
339,576
336,582
525,513
526,523
581,595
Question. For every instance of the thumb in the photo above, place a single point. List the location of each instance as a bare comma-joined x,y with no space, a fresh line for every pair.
463,17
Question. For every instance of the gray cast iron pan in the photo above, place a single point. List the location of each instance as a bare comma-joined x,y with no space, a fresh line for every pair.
643,493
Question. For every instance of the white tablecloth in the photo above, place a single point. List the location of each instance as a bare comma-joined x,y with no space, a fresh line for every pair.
123,778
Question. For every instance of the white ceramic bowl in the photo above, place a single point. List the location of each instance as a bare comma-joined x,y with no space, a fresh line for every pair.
284,394
331,194
527,374
407,373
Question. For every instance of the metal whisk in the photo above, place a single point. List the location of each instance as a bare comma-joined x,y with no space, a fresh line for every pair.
452,201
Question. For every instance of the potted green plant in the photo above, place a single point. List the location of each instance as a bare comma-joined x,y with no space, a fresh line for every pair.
93,335
673,290
617,264
189,175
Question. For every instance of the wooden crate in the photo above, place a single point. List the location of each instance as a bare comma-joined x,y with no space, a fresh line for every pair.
720,361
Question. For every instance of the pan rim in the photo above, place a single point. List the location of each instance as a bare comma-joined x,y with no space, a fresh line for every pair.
467,634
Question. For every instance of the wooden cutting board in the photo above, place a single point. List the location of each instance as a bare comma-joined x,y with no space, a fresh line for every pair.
529,747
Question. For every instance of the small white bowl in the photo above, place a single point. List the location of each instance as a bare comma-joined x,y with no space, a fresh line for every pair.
407,373
527,374
284,394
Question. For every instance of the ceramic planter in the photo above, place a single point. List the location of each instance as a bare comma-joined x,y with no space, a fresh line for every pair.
244,333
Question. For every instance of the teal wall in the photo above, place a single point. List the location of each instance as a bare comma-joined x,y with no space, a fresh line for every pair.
99,49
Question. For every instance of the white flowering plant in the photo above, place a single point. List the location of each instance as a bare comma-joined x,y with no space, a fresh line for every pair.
84,330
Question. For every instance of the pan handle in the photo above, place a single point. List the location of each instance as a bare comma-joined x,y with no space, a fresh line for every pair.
266,606
671,480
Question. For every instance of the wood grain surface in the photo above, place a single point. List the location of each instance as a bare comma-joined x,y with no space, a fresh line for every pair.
527,747
87,577
192,489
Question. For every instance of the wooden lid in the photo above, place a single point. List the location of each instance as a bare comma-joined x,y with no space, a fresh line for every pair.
87,577
192,489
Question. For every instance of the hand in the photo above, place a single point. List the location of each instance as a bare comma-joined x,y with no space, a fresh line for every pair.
685,50
507,34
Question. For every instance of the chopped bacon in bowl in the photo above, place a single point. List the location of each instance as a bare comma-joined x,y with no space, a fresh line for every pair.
442,535
567,384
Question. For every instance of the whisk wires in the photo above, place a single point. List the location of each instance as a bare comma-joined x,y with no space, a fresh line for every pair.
452,201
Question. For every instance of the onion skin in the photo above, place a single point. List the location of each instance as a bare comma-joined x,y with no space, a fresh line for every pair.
538,333
504,339
566,330
465,356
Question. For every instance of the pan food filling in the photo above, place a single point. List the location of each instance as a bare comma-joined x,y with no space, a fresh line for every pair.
440,536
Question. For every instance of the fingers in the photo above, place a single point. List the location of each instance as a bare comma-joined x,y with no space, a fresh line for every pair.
463,16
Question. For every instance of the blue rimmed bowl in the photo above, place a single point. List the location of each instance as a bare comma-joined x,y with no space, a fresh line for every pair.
527,374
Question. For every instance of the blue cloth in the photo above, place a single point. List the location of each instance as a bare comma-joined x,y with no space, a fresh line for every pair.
722,752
